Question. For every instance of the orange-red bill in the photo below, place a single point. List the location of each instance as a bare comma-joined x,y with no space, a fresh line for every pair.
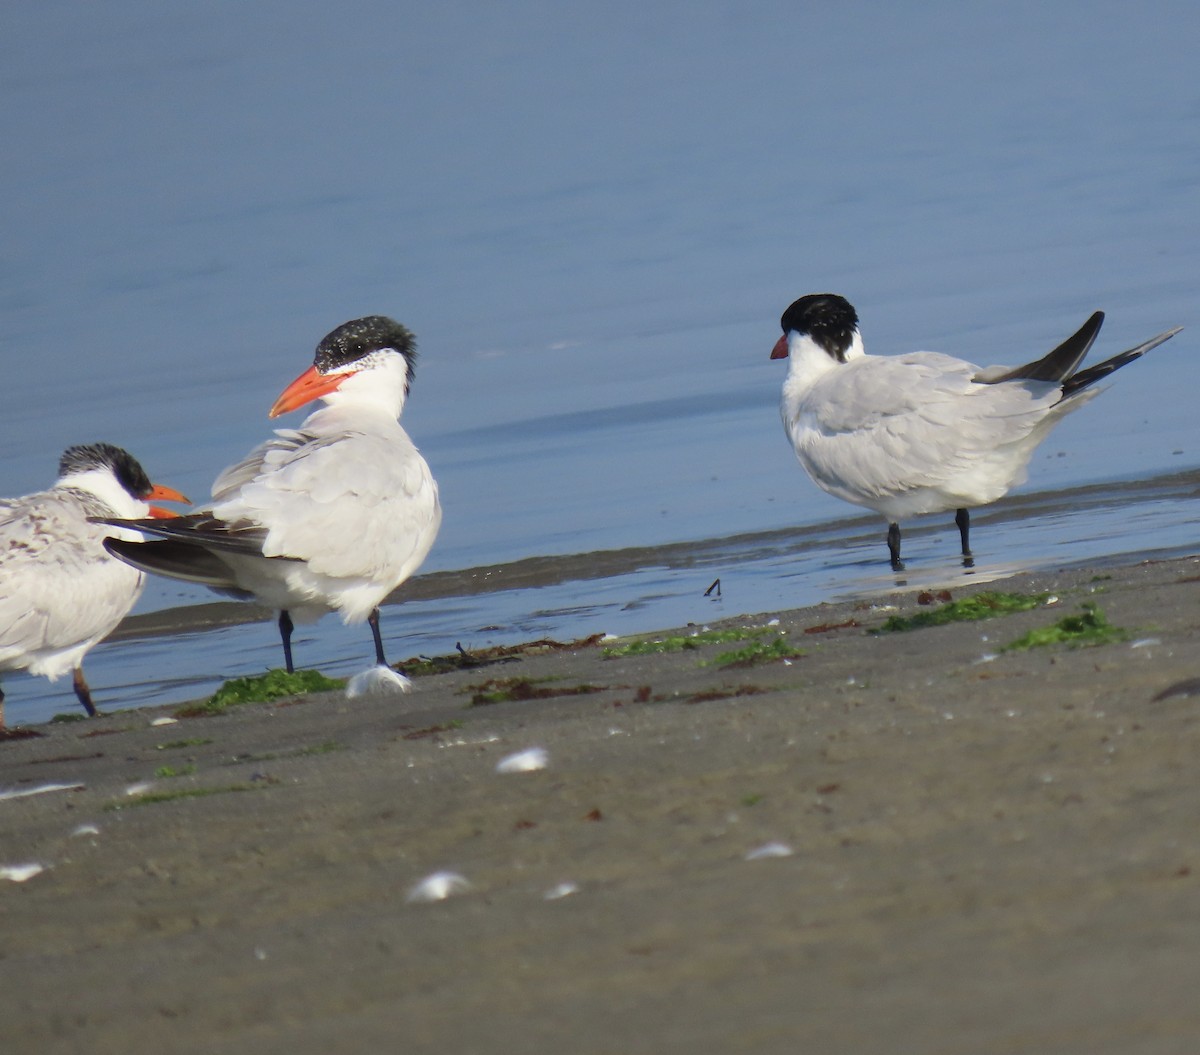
308,386
162,493
780,349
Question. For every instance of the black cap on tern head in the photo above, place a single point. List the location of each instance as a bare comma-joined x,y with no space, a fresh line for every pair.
124,466
829,319
358,338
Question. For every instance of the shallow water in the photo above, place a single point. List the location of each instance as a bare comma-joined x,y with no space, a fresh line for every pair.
592,221
640,589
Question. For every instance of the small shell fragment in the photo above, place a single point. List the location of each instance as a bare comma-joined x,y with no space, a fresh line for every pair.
561,891
165,721
438,887
138,789
775,849
524,761
19,873
86,829
41,789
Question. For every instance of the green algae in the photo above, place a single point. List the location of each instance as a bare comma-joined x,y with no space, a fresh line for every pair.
510,690
682,642
177,745
760,651
1086,630
152,798
987,605
273,685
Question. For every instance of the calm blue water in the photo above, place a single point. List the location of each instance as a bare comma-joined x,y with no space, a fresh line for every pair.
592,219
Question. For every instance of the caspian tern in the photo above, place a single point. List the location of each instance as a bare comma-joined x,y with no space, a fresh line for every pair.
60,591
922,432
331,516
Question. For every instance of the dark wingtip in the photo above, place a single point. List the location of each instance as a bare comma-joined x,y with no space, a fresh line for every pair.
1063,361
1085,378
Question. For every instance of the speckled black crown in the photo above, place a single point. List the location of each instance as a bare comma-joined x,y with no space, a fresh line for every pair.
827,318
360,337
125,467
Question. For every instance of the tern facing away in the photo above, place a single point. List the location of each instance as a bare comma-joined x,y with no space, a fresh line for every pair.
331,516
60,591
922,432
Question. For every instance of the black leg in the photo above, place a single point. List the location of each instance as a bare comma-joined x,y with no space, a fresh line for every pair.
963,519
84,693
373,620
1,708
285,632
894,547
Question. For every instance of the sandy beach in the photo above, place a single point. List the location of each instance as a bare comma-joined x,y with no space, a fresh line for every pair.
891,842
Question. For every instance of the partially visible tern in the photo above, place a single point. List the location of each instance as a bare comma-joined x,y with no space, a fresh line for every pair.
60,591
331,516
922,432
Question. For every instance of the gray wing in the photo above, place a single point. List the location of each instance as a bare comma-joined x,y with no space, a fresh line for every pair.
311,498
882,426
58,587
268,455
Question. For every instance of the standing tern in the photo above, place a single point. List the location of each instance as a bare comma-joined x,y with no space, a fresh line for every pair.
331,516
922,432
60,591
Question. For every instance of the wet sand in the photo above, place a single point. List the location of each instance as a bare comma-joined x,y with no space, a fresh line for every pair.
990,852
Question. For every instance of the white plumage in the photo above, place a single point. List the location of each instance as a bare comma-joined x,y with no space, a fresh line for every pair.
331,516
60,591
922,432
